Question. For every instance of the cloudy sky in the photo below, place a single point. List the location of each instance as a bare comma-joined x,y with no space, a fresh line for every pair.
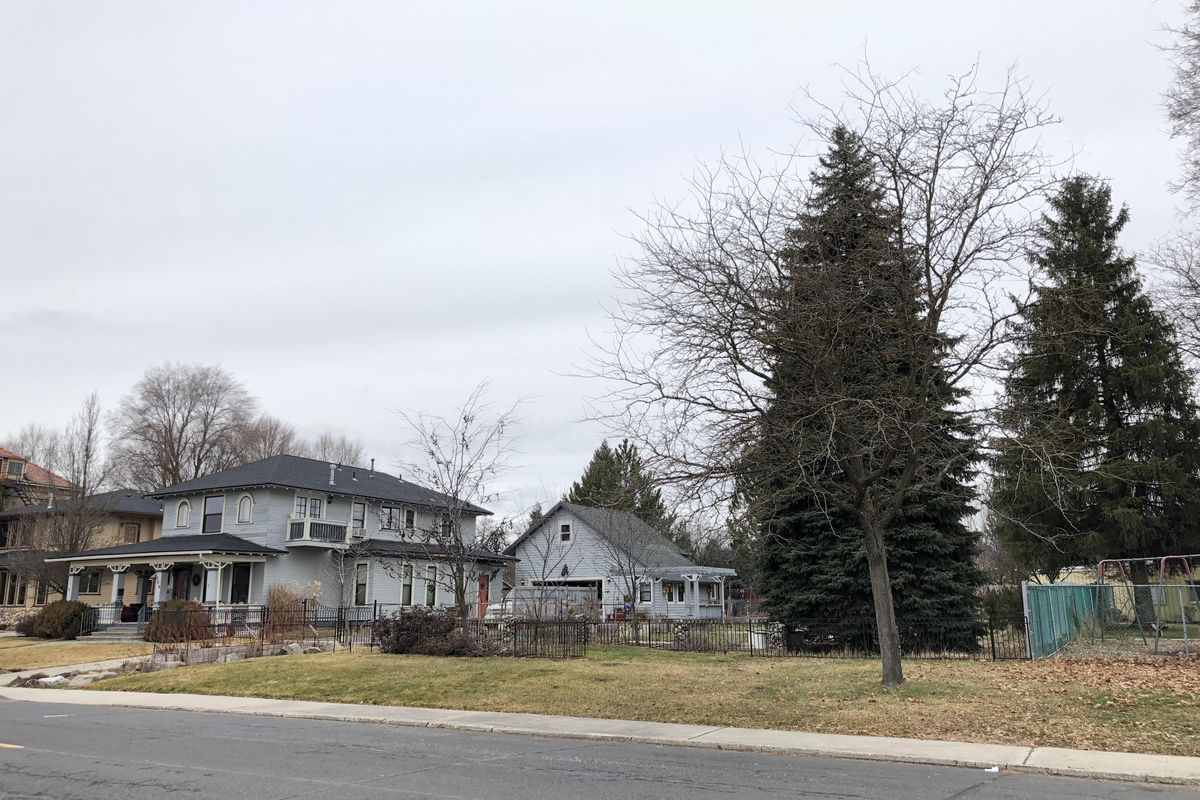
362,206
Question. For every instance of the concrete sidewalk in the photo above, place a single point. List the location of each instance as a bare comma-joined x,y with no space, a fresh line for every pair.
7,678
1044,760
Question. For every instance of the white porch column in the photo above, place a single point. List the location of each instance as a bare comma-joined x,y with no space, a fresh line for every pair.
721,594
250,586
73,583
160,580
118,581
695,579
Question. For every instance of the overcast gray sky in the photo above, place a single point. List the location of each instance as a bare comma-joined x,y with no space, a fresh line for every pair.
362,206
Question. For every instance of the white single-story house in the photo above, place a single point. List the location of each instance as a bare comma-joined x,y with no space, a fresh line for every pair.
630,566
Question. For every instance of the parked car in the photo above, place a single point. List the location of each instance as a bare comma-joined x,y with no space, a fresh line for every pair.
498,611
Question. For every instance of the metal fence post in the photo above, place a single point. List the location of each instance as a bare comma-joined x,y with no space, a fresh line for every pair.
992,636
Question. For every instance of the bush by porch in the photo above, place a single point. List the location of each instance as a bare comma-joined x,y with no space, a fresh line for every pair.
1137,706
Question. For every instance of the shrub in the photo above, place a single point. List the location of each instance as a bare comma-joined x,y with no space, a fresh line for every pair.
287,605
26,626
60,620
422,631
179,621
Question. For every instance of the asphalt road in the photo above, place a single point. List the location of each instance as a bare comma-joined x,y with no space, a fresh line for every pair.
66,751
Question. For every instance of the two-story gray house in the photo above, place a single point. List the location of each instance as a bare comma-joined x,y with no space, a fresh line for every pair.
626,563
350,535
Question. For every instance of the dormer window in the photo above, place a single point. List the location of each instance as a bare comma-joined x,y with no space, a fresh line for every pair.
16,469
183,514
564,532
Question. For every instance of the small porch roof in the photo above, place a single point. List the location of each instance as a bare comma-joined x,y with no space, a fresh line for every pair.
390,548
175,547
690,571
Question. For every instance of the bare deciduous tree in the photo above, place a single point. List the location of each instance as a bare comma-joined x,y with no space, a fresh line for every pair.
270,436
461,457
76,512
35,443
180,422
692,356
1182,99
338,449
1177,287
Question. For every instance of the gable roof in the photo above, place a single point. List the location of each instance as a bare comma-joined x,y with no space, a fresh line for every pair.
193,544
33,473
618,528
296,472
118,501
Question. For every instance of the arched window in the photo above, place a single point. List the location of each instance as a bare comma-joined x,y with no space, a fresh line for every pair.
183,514
246,509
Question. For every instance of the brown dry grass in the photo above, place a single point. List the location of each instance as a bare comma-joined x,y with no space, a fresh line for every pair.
19,653
1126,705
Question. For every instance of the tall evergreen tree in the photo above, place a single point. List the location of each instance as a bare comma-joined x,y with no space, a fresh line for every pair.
618,480
1102,447
812,560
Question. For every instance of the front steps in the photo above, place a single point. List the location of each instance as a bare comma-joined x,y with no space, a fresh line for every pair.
117,632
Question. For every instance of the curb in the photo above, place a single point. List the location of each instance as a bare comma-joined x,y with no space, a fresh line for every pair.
1134,767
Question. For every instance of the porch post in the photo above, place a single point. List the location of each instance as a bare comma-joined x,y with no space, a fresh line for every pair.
721,593
73,583
695,596
160,580
118,581
250,586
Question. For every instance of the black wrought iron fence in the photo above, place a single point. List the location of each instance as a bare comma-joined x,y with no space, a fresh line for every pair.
994,639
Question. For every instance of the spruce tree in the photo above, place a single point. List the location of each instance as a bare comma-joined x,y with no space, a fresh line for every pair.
1102,447
812,560
618,480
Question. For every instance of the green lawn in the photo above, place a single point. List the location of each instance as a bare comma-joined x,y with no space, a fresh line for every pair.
1137,706
20,653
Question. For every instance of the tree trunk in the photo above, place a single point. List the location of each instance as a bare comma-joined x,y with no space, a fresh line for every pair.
885,611
1143,598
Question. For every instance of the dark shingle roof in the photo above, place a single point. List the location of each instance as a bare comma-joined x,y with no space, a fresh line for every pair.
396,549
294,472
201,543
118,501
622,529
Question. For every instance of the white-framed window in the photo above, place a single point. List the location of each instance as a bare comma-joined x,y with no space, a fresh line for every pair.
714,594
564,532
183,514
245,509
310,507
645,593
214,513
410,520
89,582
358,515
362,573
131,532
673,591
42,594
431,585
406,582
16,469
390,518
12,589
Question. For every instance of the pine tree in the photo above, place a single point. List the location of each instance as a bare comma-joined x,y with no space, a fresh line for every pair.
1102,447
811,556
618,480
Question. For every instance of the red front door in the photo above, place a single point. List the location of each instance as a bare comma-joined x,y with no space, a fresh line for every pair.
485,583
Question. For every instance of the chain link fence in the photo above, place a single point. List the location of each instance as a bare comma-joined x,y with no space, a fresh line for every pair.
1112,620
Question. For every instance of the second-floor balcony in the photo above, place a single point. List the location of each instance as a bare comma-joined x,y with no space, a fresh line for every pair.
310,532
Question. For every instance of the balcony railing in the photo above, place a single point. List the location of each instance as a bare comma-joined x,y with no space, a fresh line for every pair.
307,529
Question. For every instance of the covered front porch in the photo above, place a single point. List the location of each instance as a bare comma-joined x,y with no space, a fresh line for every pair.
214,569
686,592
